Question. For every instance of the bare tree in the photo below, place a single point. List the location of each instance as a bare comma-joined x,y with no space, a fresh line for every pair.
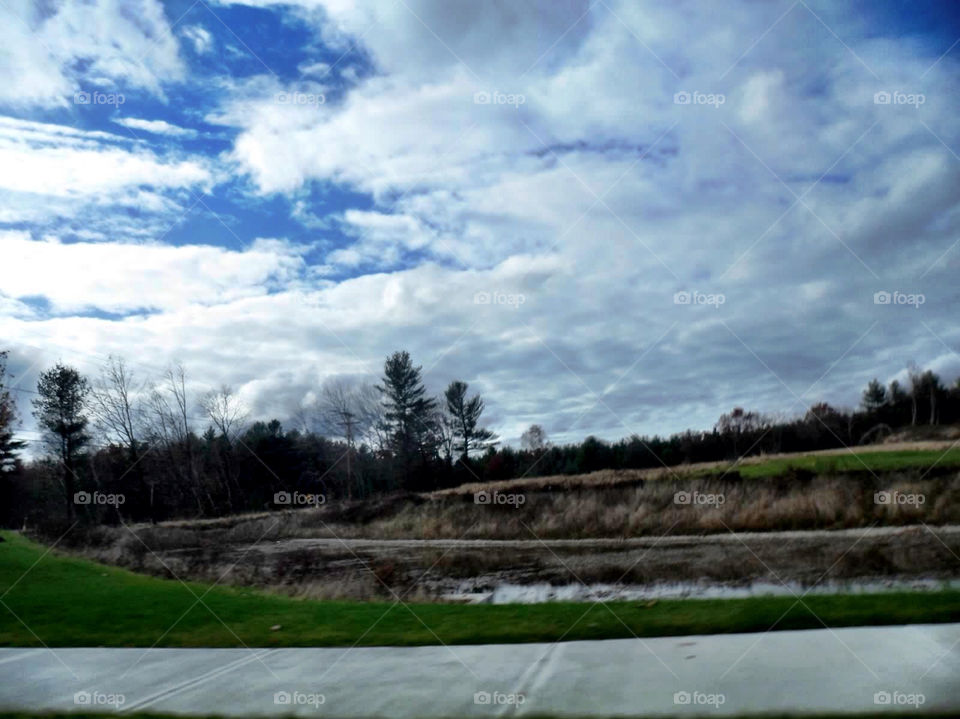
534,438
225,411
228,416
117,407
348,410
739,423
168,407
446,426
916,387
170,426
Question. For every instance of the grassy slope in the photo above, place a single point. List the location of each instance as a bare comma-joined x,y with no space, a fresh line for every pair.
855,460
859,462
67,601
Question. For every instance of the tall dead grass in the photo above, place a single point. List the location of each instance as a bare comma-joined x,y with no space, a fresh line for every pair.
647,508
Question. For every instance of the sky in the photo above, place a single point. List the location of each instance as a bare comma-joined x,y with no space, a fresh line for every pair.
607,217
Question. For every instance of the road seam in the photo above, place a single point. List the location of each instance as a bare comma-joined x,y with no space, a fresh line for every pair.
198,681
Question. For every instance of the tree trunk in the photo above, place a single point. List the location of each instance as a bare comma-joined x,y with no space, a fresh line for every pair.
69,486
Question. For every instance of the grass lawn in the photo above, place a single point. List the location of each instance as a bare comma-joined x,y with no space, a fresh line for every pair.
67,601
859,462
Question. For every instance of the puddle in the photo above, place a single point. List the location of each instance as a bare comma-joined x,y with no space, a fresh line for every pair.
539,593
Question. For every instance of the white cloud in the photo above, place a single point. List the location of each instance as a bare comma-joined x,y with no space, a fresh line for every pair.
46,166
598,168
316,69
118,277
595,199
199,37
93,184
157,127
112,41
383,239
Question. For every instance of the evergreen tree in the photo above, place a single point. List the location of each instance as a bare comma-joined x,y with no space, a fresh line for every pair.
465,414
9,447
60,410
409,414
874,396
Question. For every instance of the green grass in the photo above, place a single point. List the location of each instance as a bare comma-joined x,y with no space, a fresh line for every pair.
59,600
859,462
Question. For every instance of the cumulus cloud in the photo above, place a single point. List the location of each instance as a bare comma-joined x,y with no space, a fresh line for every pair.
55,177
124,278
792,193
113,42
521,197
69,172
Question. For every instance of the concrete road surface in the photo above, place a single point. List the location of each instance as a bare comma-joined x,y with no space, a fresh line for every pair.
905,668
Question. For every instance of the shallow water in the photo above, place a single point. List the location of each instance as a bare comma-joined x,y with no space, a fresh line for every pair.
539,593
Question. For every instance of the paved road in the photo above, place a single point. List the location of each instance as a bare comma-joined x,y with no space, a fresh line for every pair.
805,671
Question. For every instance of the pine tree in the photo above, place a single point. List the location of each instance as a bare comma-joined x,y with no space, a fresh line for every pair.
874,396
9,447
59,409
465,414
409,413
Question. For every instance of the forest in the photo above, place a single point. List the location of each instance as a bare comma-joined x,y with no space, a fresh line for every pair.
115,448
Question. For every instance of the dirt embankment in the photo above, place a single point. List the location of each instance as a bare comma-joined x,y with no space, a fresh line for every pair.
437,569
722,532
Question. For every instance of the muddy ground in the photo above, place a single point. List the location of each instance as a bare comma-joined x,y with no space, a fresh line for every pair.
611,532
498,570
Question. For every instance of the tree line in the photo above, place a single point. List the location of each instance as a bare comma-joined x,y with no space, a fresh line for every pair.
113,447
152,451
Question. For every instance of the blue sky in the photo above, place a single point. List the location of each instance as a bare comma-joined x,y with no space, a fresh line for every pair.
277,194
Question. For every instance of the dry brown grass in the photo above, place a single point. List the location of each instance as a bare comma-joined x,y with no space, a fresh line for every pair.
605,509
649,509
273,550
621,477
